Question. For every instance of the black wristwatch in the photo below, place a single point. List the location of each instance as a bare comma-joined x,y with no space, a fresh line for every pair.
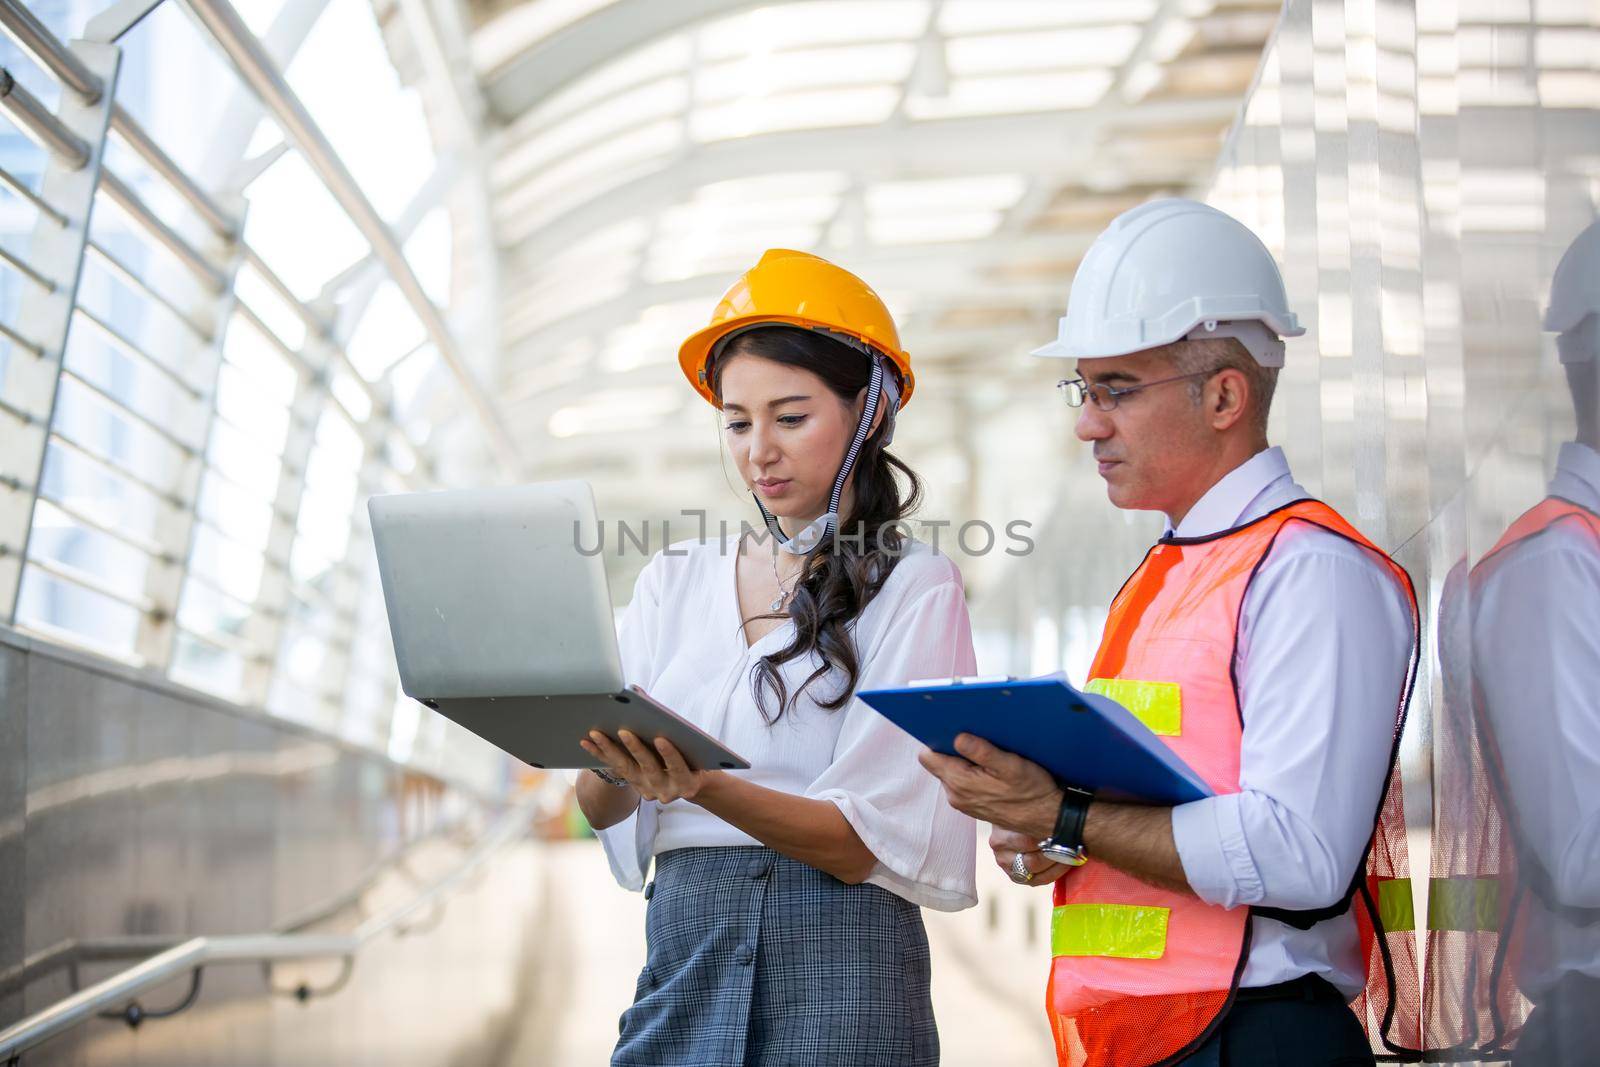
1065,845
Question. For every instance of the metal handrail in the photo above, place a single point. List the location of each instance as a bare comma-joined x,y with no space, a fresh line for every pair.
214,586
315,324
116,469
21,342
126,411
131,202
249,652
115,531
127,345
71,954
37,40
197,953
221,221
24,417
37,120
114,264
83,579
40,204
27,270
289,352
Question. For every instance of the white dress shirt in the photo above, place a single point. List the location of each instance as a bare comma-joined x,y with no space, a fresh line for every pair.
1536,657
1325,642
682,642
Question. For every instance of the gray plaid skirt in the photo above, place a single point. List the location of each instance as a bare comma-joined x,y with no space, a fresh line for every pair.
757,960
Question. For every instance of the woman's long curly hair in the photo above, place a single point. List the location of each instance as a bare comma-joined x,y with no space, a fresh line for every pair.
843,573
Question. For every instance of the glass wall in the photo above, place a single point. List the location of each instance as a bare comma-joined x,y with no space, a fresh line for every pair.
1419,171
208,366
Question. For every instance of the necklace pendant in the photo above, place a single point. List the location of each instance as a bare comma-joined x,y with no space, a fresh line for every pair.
777,601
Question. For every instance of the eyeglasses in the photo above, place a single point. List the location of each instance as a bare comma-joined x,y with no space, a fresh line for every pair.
1076,391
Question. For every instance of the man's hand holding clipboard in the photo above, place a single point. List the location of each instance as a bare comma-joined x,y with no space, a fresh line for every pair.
1009,750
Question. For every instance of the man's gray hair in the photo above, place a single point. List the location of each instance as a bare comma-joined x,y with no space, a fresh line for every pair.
1218,353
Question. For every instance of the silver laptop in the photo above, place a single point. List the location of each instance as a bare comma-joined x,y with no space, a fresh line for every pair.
502,623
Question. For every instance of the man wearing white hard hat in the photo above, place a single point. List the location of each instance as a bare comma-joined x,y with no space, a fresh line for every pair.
1266,641
1534,683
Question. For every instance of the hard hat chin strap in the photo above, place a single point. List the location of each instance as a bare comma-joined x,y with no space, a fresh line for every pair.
815,531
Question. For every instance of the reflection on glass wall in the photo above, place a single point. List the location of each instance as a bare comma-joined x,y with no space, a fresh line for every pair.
1420,171
1532,657
1420,174
1520,745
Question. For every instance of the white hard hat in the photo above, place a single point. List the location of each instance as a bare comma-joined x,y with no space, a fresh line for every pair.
1574,312
1169,270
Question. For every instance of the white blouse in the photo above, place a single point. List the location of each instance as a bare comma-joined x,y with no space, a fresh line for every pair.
683,644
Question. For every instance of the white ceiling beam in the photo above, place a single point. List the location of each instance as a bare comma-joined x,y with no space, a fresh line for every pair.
952,271
911,262
243,110
439,29
1052,145
367,273
461,105
578,48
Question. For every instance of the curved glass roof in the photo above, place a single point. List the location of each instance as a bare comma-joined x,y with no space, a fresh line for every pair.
958,155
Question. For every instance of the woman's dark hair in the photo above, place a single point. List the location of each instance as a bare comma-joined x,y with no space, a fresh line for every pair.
842,575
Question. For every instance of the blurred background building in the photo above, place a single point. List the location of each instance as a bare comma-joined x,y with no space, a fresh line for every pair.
261,260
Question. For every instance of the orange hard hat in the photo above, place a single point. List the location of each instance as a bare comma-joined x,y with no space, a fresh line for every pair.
797,289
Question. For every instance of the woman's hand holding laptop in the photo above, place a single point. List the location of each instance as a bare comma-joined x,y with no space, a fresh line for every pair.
656,772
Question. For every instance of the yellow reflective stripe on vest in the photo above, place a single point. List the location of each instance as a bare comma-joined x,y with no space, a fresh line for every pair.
1125,931
1159,705
1465,904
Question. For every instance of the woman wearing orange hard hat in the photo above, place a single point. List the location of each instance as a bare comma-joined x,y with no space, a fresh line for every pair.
783,923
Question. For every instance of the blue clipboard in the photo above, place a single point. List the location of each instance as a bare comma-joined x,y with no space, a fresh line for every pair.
1084,739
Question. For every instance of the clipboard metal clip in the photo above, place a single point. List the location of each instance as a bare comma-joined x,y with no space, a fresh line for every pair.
971,679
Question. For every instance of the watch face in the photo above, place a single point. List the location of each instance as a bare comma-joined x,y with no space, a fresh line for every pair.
1072,857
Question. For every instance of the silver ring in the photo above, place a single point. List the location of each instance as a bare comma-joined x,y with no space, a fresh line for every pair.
1019,871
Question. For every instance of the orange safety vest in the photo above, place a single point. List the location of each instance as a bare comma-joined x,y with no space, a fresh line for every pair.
1140,975
1504,914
